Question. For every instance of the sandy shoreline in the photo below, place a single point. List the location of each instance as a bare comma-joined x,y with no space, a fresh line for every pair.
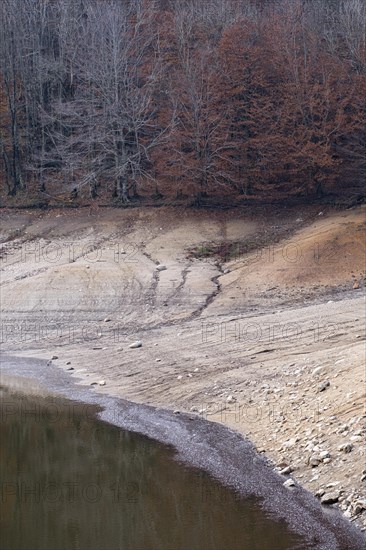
249,343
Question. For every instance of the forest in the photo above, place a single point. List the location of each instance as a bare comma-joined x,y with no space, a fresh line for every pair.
117,100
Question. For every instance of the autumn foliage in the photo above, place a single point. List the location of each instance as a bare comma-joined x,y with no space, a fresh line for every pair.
182,99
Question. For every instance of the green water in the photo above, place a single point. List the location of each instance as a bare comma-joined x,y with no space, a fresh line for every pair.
71,482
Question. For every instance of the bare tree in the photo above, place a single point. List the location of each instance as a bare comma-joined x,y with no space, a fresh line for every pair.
109,127
11,121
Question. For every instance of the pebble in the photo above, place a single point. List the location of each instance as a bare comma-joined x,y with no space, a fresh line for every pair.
107,320
102,382
135,345
358,506
54,357
176,411
160,267
332,484
287,470
231,399
314,461
324,454
289,483
317,370
324,386
291,442
346,447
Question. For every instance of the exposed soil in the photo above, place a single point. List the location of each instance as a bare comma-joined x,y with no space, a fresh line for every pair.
251,342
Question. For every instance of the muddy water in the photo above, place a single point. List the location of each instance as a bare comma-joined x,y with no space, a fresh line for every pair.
69,481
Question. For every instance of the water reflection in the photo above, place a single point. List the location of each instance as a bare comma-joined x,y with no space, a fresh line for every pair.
72,482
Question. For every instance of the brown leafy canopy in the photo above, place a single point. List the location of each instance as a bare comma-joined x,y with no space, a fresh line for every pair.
184,98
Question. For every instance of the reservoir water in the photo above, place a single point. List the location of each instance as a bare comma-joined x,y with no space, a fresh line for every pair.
72,482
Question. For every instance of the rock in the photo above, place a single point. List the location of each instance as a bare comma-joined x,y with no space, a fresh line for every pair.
346,447
226,271
356,438
287,470
318,370
289,483
327,460
356,285
68,363
291,442
314,461
160,267
324,386
231,399
157,360
320,493
135,345
102,382
179,377
194,409
330,498
176,411
107,320
324,454
358,506
54,357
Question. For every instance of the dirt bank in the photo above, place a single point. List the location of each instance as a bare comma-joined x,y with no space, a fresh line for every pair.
270,342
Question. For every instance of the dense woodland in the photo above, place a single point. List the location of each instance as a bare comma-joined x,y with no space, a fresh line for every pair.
121,99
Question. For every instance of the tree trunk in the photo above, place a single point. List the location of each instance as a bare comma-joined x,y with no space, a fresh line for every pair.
122,189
